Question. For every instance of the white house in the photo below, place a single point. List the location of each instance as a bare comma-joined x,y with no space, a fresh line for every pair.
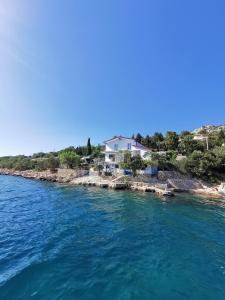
115,147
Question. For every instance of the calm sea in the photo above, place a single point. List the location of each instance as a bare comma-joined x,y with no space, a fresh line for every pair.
87,243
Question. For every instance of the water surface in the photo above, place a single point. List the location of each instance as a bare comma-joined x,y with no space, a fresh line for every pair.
87,243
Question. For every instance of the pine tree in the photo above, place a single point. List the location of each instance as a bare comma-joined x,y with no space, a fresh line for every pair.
138,138
89,149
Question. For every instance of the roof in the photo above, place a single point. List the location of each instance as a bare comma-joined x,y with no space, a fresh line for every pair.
119,137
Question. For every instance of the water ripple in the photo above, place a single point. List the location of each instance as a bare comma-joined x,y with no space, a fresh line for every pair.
59,242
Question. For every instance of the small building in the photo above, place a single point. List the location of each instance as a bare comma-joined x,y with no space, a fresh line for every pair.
116,147
200,137
149,170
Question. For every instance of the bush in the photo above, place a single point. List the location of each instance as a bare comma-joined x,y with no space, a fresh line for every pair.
52,163
171,140
41,165
180,165
219,153
70,159
201,164
23,164
134,163
164,162
187,145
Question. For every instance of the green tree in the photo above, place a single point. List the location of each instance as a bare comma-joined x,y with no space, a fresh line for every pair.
52,163
39,155
158,137
70,159
134,163
219,153
163,161
203,131
201,164
216,139
187,145
161,146
23,163
97,151
155,142
221,137
148,141
89,149
139,138
184,133
81,150
171,140
41,165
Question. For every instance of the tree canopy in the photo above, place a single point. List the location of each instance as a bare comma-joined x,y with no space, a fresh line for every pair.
70,159
89,149
133,163
196,159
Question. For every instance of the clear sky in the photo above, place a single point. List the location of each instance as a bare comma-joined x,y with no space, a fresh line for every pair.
73,69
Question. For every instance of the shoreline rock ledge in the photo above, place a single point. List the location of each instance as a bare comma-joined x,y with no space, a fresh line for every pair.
168,184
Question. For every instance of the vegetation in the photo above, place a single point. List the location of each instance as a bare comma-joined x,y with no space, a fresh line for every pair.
52,163
195,158
22,163
133,163
89,149
98,168
19,163
171,140
70,159
187,145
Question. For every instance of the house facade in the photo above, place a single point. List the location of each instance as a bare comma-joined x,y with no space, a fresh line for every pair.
115,148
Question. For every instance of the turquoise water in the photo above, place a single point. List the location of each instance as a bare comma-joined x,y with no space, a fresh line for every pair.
87,243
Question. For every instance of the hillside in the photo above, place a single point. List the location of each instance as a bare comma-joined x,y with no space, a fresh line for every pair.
208,129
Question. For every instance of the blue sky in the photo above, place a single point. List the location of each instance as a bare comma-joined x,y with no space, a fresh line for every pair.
70,69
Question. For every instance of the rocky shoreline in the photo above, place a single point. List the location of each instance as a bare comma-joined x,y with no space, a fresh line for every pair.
167,183
59,176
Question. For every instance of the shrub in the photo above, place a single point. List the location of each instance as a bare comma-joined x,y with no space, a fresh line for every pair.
23,164
70,159
201,164
52,163
41,165
135,163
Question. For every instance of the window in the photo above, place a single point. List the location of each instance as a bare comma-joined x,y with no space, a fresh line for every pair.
129,146
112,157
115,147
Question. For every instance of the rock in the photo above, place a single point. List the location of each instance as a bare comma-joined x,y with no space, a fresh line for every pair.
103,184
118,186
221,188
184,184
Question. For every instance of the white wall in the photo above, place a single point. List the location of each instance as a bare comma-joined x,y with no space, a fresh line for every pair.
107,159
123,146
